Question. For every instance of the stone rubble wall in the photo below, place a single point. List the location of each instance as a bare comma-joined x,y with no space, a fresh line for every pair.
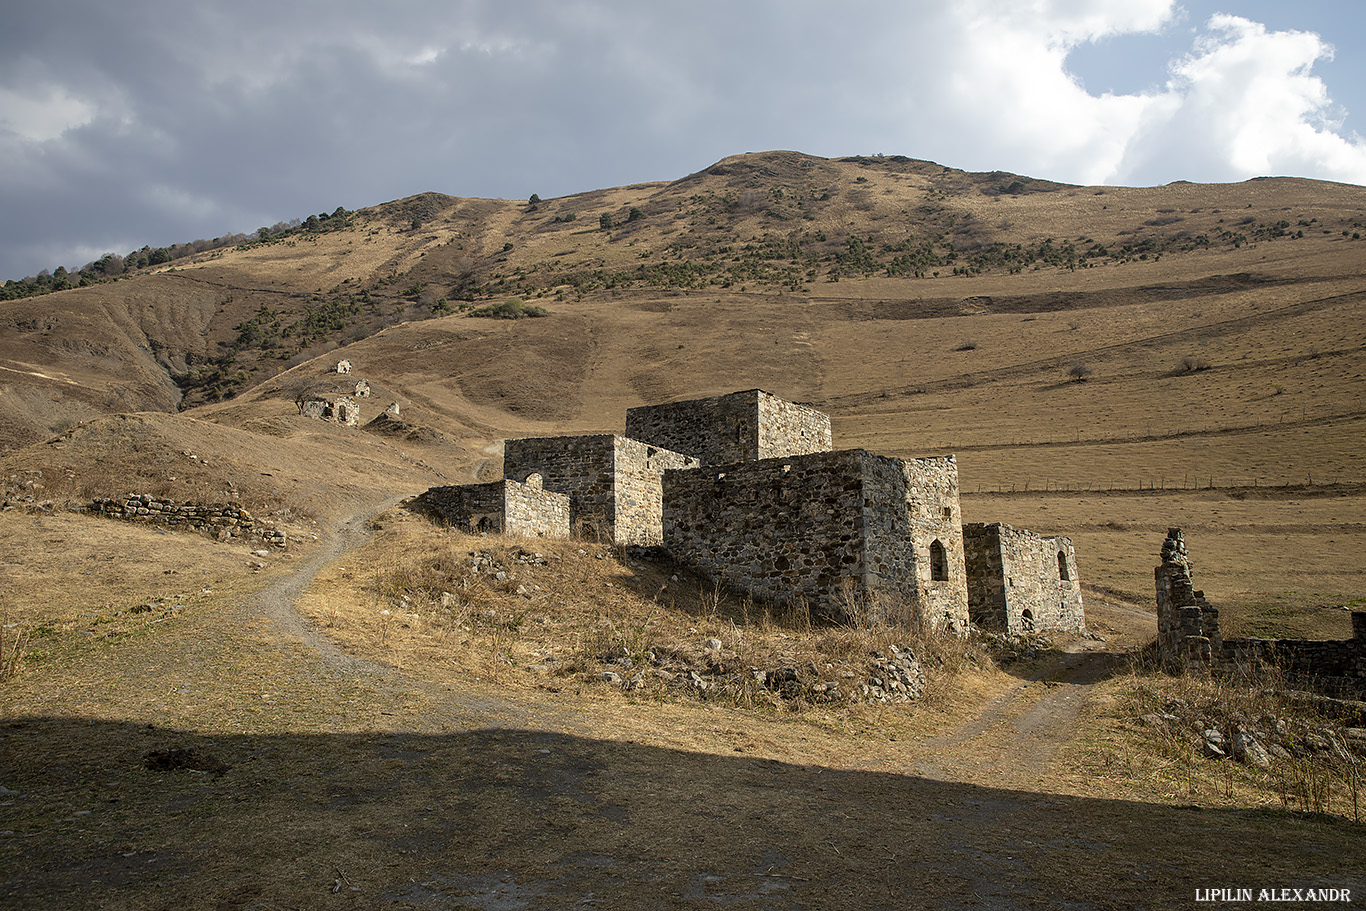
737,427
223,520
1189,638
835,530
501,507
1335,664
614,484
1015,580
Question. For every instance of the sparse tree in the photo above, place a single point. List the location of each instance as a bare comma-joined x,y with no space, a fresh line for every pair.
605,221
1079,373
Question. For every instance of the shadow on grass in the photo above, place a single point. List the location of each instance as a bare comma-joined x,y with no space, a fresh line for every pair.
507,819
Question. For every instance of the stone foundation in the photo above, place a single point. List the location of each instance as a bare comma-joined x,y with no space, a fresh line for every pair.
222,520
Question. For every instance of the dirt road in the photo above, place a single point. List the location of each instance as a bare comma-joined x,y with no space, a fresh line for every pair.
308,779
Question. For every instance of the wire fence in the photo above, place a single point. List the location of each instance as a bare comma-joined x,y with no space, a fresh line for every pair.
1175,482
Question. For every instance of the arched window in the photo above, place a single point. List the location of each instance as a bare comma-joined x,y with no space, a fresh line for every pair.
1027,619
1062,566
939,562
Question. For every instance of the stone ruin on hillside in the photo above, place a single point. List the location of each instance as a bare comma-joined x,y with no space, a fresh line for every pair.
747,489
1189,638
335,400
339,409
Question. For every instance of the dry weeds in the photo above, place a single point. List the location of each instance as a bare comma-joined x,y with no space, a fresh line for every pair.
554,614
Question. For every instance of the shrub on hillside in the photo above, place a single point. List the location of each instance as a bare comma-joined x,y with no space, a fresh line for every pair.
1079,373
510,309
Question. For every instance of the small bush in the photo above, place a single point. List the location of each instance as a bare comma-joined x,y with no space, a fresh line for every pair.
510,309
1079,373
967,345
1192,364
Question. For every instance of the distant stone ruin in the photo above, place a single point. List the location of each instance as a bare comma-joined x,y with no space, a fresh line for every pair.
745,488
338,409
362,389
1020,582
1189,638
343,366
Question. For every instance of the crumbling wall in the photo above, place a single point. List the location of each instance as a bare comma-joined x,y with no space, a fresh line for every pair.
736,427
341,409
843,532
222,520
614,484
502,507
1187,626
1019,581
1189,638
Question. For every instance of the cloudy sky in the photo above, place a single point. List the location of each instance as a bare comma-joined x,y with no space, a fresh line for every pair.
146,121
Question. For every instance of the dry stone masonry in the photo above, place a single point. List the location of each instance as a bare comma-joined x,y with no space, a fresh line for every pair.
1021,582
854,535
614,483
738,427
1189,638
339,409
502,507
745,488
222,520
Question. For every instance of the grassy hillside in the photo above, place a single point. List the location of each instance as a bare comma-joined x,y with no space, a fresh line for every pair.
1217,329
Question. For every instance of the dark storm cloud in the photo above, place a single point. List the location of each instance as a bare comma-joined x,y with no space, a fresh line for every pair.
148,122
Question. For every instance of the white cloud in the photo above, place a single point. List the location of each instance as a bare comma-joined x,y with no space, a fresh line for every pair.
42,113
1243,103
1247,95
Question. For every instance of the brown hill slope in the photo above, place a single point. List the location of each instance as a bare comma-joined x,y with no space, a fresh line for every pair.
929,310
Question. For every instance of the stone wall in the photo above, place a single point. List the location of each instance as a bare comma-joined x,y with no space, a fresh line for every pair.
223,520
1189,638
737,427
844,532
1021,582
341,409
502,507
614,483
1187,626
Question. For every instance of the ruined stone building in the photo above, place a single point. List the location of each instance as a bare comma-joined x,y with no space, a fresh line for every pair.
1020,582
1189,637
340,409
853,535
502,507
343,367
745,488
614,484
737,427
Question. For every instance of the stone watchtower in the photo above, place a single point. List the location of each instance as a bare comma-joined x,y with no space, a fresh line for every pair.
1187,627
